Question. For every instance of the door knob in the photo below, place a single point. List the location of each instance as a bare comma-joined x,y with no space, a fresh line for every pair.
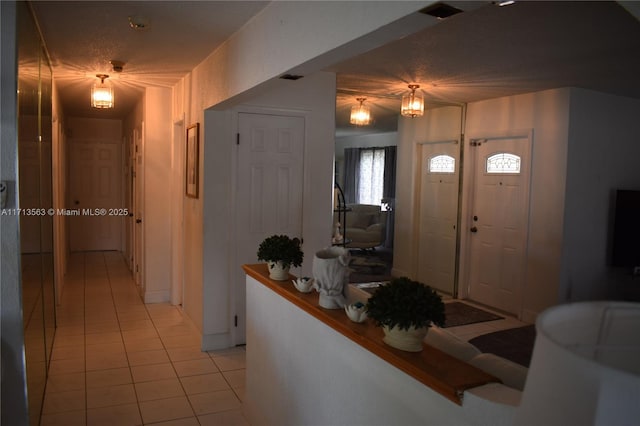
474,229
138,220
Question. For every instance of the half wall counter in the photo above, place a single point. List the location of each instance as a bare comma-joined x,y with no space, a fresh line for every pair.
310,365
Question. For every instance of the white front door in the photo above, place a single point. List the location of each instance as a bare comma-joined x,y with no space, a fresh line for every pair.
499,222
95,189
269,191
438,215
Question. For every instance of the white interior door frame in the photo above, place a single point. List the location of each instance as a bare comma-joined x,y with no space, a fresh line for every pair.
177,212
469,172
238,337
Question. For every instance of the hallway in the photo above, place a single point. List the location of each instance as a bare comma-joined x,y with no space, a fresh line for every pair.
117,361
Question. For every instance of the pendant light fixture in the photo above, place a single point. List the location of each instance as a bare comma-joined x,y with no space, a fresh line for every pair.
360,114
102,93
412,103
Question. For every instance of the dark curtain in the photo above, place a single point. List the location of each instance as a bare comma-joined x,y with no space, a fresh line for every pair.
351,174
389,191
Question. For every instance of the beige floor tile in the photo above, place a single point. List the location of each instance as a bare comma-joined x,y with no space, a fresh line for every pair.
214,402
227,351
110,377
104,347
106,361
139,334
69,418
144,345
176,330
235,378
147,373
229,362
159,389
189,421
165,409
111,395
66,366
103,338
100,327
58,402
225,418
180,341
66,382
72,340
240,393
120,415
187,353
68,352
136,325
77,330
204,383
158,356
194,367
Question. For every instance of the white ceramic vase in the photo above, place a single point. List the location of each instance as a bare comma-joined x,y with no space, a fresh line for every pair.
407,340
277,271
331,276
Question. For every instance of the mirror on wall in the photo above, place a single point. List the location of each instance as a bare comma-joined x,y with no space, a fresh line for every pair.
426,185
35,190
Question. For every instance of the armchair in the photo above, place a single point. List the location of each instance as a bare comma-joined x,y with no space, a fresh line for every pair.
365,226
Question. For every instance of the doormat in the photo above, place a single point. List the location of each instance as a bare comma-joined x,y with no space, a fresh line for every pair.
458,313
515,344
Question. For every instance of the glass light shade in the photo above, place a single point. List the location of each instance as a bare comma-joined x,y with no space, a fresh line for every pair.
412,103
102,96
360,115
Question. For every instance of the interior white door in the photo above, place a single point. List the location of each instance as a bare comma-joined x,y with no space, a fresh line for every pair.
269,196
499,219
438,215
95,183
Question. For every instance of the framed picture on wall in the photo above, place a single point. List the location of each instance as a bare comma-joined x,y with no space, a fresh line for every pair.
191,170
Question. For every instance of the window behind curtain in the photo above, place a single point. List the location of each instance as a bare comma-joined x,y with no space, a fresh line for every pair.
371,176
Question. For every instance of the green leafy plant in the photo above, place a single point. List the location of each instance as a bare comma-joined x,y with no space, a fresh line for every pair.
281,248
405,303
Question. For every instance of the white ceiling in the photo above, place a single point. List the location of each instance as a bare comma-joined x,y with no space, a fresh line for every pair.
483,53
82,38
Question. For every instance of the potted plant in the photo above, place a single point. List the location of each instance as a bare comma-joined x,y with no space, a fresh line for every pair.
280,252
405,309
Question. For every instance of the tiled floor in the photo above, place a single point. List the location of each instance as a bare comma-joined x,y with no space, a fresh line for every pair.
117,361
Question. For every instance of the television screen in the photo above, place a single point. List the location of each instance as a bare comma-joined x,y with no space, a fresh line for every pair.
626,229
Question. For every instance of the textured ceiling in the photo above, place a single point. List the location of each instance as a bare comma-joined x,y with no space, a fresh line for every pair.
84,36
498,51
483,53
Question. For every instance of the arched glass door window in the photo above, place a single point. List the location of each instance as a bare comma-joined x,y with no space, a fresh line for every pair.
442,164
503,163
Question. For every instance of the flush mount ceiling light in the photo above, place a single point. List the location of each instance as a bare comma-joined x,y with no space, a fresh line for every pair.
412,103
360,114
102,93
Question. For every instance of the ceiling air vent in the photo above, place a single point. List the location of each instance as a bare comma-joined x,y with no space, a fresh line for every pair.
440,10
291,77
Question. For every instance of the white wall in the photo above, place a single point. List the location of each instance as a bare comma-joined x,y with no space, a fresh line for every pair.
603,156
547,113
436,125
282,38
312,97
157,195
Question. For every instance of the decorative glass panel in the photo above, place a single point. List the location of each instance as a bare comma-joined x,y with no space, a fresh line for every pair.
504,163
442,164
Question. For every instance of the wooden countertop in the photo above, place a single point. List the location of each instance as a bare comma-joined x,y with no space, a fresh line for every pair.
432,367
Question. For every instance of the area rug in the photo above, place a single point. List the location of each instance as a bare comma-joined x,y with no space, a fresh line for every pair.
458,313
515,344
